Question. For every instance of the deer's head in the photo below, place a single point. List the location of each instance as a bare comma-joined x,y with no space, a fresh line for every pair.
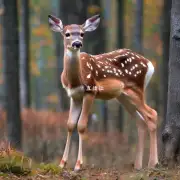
73,34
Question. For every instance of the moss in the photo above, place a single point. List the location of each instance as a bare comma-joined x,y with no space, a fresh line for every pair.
14,162
49,169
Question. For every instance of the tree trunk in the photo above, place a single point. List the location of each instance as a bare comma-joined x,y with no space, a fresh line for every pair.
98,46
120,44
2,56
138,47
171,131
24,52
59,51
165,62
138,31
11,66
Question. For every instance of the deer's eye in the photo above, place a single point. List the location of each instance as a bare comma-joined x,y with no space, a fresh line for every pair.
67,34
82,34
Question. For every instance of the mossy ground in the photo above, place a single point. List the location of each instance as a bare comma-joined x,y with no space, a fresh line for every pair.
14,165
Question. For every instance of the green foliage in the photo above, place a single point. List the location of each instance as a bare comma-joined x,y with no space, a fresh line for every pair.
49,169
15,163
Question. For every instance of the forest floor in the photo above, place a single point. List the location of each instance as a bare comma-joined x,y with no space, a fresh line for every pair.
98,174
14,165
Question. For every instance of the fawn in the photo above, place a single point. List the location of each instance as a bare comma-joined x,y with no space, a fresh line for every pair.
120,74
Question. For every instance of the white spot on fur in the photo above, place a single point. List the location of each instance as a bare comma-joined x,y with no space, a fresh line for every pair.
96,73
117,56
92,59
126,71
122,64
88,76
88,65
143,64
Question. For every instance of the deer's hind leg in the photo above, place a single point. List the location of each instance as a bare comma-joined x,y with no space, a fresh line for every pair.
149,116
141,128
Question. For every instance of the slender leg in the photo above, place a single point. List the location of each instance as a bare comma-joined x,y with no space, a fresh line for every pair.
150,117
82,125
66,150
142,128
153,157
75,110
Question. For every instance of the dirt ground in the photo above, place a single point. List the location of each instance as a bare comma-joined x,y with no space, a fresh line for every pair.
90,173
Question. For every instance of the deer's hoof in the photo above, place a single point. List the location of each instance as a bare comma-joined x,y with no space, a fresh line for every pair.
62,164
78,166
153,164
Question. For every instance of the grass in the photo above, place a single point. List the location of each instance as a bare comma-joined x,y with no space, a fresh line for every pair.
14,165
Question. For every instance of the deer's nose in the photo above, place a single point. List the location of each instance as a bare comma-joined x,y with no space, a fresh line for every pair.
77,44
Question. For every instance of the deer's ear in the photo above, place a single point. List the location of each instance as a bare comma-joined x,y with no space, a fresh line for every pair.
92,23
55,23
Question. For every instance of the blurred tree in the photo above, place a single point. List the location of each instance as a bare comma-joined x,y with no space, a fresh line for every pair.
138,47
11,66
98,45
138,29
24,56
165,39
1,56
120,44
63,99
171,131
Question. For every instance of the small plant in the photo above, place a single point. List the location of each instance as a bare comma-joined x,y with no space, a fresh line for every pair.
49,169
15,162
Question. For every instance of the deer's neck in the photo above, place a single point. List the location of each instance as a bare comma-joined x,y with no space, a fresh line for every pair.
72,67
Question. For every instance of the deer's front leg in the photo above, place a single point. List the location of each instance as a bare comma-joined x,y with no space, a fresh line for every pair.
82,125
74,113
